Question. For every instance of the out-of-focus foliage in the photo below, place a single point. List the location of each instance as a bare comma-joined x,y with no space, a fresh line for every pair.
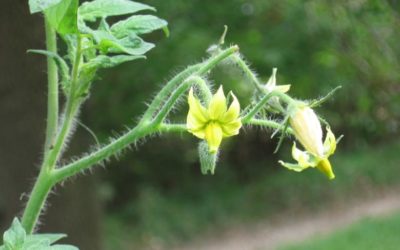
359,236
316,45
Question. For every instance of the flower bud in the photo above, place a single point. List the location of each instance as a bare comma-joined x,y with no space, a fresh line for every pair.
307,129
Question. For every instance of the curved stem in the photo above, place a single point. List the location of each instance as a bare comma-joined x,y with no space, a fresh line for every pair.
49,176
168,88
52,96
254,79
164,111
248,72
145,127
104,153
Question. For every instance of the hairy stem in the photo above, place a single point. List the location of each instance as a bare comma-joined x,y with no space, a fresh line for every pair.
254,79
49,175
45,181
268,124
143,128
168,88
36,201
52,98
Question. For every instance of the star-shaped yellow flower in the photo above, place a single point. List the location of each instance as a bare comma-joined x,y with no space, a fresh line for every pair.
214,122
308,132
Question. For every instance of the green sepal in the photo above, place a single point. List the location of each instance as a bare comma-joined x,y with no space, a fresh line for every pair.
208,161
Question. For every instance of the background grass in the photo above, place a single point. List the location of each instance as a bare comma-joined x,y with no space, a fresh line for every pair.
183,215
367,234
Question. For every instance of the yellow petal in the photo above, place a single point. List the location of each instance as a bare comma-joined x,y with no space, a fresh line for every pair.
329,143
196,109
283,88
301,157
199,133
213,136
217,105
232,128
325,167
294,167
233,111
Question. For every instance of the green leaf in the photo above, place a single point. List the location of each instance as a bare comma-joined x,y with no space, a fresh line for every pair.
41,5
139,24
132,45
103,61
14,237
62,247
103,8
63,17
48,238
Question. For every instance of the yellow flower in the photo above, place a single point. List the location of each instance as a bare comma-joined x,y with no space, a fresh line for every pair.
308,132
214,122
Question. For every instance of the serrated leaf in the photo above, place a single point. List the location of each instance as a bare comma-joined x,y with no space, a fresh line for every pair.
49,238
63,17
104,8
103,61
132,45
138,24
41,5
14,237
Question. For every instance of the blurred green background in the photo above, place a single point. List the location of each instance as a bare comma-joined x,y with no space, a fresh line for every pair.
155,196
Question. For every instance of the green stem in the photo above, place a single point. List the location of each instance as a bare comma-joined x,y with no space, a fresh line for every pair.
257,107
144,128
36,201
268,124
52,98
164,111
249,73
168,88
45,181
167,127
199,69
49,176
70,113
254,79
205,90
105,152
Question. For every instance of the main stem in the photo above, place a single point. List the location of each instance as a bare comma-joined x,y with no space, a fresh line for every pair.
55,145
52,95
